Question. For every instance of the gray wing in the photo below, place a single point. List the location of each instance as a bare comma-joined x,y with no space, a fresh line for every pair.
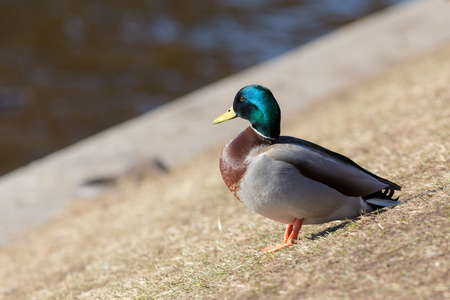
330,168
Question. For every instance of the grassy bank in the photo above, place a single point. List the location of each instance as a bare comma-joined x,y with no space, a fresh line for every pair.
184,235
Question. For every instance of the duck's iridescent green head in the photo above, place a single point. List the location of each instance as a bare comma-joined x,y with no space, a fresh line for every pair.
256,104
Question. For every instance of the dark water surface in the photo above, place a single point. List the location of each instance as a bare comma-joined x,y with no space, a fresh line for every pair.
71,68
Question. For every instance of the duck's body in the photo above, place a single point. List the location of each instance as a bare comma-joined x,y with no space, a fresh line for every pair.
290,180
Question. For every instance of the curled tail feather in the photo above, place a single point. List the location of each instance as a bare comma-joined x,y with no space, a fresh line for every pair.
382,198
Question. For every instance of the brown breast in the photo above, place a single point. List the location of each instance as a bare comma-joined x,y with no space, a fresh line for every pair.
233,163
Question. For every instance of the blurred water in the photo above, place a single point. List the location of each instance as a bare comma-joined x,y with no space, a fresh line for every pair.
71,68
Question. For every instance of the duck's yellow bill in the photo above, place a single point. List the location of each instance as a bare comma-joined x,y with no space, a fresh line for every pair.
230,114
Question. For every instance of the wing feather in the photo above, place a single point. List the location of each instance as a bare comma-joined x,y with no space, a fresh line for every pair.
328,167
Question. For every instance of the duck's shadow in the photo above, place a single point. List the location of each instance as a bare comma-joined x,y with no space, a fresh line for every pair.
330,230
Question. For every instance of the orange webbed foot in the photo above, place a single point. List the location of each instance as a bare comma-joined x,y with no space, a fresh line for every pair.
290,236
275,248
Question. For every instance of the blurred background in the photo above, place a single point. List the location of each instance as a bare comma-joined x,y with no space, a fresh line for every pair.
71,68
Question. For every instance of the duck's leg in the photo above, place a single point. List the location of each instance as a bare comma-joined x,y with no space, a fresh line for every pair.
290,236
288,231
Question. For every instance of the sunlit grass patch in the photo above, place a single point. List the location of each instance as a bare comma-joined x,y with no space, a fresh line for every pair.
183,235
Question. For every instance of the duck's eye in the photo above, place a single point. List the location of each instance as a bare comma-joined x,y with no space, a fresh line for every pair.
242,99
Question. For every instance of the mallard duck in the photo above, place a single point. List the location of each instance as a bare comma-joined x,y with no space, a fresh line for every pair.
290,180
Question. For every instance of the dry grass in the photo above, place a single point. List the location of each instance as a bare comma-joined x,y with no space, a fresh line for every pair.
185,236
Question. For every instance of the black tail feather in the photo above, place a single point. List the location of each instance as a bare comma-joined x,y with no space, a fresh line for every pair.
385,194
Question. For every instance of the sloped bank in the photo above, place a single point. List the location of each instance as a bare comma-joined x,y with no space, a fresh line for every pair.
175,133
